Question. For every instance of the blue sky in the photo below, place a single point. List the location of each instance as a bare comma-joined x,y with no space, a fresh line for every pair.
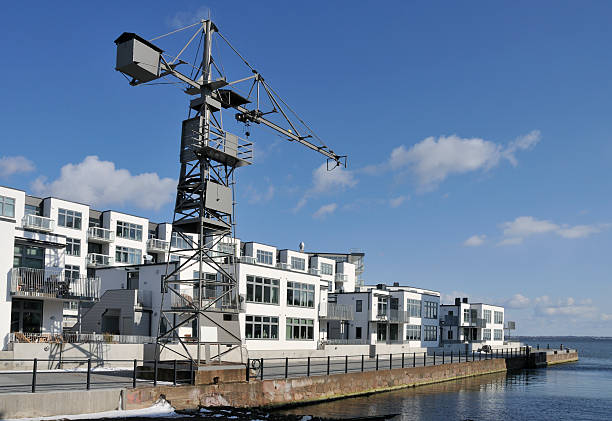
478,136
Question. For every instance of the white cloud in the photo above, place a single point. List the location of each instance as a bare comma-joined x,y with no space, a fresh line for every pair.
521,143
10,165
397,201
517,301
545,306
525,226
606,317
100,184
325,210
255,196
475,240
327,182
182,19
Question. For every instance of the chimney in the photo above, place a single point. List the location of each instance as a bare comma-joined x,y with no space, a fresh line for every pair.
381,286
457,301
395,284
465,300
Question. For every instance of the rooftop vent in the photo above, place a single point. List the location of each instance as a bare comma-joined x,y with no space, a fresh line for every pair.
395,284
457,301
465,300
381,286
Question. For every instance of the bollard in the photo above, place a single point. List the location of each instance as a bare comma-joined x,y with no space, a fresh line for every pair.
248,369
34,368
261,361
134,374
361,362
287,367
346,364
376,362
328,358
88,373
390,361
308,368
155,371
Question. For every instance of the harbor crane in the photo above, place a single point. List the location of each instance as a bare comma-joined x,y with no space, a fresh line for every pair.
202,309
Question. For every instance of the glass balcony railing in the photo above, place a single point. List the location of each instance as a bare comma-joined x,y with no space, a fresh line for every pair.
38,223
95,259
155,244
341,277
97,234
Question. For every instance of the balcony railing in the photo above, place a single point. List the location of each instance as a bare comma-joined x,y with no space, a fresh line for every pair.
246,259
95,260
37,223
399,316
338,312
449,321
285,266
475,322
346,341
155,244
340,277
52,284
314,271
69,337
101,235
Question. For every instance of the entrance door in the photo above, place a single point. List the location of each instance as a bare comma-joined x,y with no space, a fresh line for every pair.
26,316
393,329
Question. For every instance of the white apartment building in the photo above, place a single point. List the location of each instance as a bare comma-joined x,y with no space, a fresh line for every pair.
384,314
472,324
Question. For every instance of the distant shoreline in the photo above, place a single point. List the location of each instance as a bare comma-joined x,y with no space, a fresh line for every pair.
564,337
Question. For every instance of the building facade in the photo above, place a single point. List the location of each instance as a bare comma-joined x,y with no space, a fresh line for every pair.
474,324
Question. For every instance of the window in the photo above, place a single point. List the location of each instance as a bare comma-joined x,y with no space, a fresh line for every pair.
95,222
71,305
69,218
32,210
466,315
300,295
264,257
127,255
209,285
261,327
487,317
486,334
498,334
7,206
413,332
431,333
394,304
129,231
300,329
413,307
358,306
29,257
226,248
499,317
72,272
450,334
177,241
358,333
73,247
298,263
381,331
327,269
431,310
262,290
382,306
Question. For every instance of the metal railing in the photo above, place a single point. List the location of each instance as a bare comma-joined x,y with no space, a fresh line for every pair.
399,316
100,234
38,223
340,277
157,245
285,266
275,368
247,259
338,312
75,337
52,283
95,259
345,342
450,321
314,271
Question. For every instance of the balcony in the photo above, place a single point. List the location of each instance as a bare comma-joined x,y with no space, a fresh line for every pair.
285,266
247,259
338,312
37,223
100,235
157,245
28,282
314,271
477,322
98,260
340,277
398,316
449,321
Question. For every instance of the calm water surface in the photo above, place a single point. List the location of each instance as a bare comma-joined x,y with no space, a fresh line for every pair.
574,391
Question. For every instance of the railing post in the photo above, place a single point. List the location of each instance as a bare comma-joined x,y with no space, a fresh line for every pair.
192,374
308,368
459,355
434,357
134,374
424,359
261,367
346,364
328,359
414,359
286,367
34,367
362,358
451,357
376,362
472,355
403,360
248,369
174,373
390,361
479,355
88,373
442,357
155,372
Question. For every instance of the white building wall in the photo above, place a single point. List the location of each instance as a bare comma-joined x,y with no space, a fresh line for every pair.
7,234
109,221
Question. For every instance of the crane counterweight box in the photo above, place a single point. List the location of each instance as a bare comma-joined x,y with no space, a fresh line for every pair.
137,57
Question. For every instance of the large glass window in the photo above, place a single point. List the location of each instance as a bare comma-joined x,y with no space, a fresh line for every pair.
129,231
262,290
29,256
498,334
327,269
261,327
7,206
486,334
73,247
264,257
181,242
209,285
358,306
300,294
128,255
431,310
300,329
499,317
298,263
382,306
413,332
26,316
487,317
381,331
413,307
69,218
72,272
466,315
32,210
431,333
